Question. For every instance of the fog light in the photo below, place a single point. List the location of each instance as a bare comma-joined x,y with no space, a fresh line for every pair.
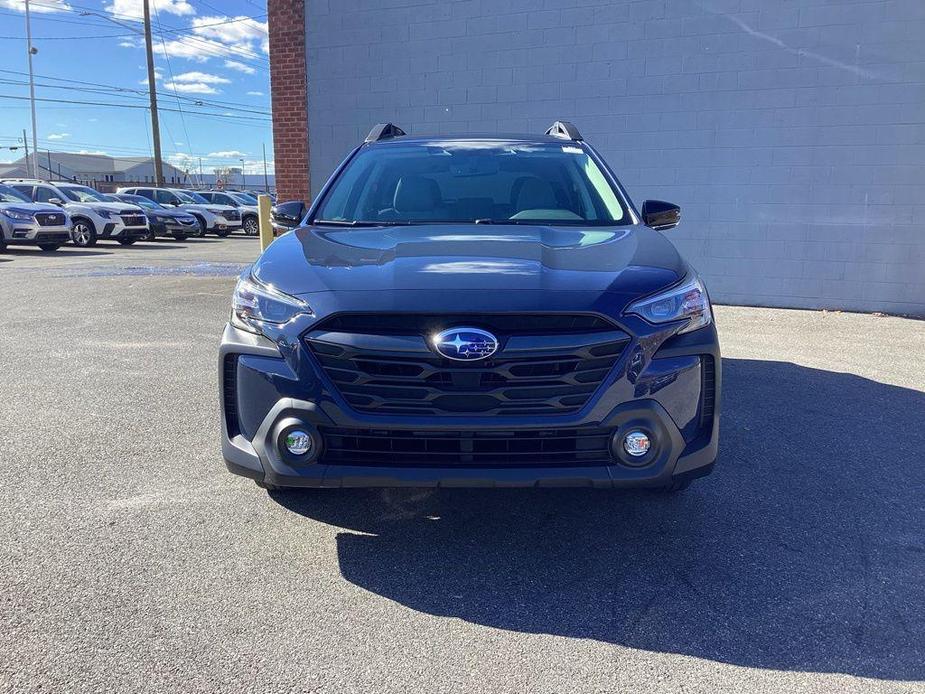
298,442
636,443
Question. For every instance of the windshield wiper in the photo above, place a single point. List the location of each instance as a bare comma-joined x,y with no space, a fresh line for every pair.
358,223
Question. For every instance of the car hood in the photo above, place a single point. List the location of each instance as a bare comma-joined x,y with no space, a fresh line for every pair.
205,207
461,259
169,213
108,206
31,207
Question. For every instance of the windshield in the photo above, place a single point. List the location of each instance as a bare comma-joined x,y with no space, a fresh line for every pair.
8,194
243,198
82,194
466,181
142,201
190,196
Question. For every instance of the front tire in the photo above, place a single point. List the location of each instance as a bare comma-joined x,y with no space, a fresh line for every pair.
180,237
127,242
251,226
222,233
202,226
49,247
269,487
83,233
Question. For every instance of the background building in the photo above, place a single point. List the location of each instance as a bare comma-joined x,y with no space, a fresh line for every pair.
792,133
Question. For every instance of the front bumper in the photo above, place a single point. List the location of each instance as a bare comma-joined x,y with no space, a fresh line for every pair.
118,230
658,385
25,233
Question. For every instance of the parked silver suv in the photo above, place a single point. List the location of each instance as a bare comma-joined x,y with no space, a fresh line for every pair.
23,222
92,217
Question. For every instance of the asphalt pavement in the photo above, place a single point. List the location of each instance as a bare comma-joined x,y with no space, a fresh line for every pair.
130,560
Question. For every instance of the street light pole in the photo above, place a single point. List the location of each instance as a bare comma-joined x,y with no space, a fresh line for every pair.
31,50
266,180
243,176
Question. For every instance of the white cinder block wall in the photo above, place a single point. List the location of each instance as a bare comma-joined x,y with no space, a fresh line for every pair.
791,132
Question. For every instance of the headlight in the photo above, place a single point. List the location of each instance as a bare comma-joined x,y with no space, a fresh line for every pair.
214,211
689,300
256,304
105,214
18,215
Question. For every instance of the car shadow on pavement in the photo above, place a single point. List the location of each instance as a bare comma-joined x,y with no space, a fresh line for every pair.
803,551
62,252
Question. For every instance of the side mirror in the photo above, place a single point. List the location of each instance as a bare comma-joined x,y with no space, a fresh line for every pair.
660,215
288,215
56,201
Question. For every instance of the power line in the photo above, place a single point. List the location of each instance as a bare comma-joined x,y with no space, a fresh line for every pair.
135,106
121,91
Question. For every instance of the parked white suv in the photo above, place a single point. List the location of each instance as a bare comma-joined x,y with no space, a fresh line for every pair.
218,219
92,217
23,222
245,203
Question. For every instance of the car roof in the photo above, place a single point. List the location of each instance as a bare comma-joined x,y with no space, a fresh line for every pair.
518,138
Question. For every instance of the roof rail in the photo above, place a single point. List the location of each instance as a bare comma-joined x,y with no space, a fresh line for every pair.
383,131
565,130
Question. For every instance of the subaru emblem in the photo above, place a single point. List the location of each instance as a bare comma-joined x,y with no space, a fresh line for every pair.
465,344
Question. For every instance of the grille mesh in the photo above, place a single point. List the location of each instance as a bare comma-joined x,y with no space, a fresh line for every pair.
408,448
558,377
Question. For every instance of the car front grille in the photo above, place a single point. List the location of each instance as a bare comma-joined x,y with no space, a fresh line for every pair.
133,220
49,219
546,364
484,448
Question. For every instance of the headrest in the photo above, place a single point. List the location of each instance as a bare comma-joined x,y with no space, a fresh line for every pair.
535,194
416,194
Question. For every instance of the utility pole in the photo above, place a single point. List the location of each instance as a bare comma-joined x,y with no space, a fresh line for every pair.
51,174
30,165
243,177
152,94
266,180
31,50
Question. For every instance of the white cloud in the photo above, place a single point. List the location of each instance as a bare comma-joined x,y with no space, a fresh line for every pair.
179,144
243,32
127,44
228,154
58,136
132,9
202,77
240,67
42,7
221,37
190,87
255,93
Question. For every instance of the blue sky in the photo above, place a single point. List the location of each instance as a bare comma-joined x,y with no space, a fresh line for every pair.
211,60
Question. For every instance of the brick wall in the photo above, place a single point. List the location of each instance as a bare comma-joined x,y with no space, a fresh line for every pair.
792,132
290,109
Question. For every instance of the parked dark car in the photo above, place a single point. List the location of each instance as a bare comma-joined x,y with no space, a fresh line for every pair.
472,311
162,221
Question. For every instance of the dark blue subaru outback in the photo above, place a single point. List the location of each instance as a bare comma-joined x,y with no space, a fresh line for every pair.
472,311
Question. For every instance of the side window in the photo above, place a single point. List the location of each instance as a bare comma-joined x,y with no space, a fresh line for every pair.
223,199
146,192
208,196
25,190
43,194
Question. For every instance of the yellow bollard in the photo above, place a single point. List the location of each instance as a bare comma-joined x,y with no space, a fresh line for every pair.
264,203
